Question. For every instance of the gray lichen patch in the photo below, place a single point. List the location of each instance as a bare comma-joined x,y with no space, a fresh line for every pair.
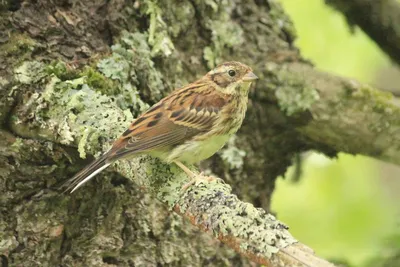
292,93
67,111
158,37
222,213
164,180
8,242
294,102
131,65
85,114
30,72
232,155
225,33
179,18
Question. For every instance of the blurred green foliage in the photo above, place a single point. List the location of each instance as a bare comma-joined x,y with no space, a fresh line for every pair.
325,37
340,207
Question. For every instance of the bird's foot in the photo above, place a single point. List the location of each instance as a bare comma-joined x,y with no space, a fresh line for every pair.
199,178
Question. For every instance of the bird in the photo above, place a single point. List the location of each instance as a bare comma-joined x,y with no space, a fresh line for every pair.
187,126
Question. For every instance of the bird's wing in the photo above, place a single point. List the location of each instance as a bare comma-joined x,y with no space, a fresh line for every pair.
178,117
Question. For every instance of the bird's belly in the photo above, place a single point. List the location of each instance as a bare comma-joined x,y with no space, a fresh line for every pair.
195,151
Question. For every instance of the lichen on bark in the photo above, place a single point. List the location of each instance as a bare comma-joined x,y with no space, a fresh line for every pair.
64,103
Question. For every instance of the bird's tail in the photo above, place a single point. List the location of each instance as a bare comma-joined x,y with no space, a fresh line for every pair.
87,173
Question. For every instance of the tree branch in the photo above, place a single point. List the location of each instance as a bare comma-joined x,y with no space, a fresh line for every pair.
212,207
380,19
338,112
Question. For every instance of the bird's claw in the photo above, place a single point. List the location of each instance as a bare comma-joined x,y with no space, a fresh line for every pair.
199,178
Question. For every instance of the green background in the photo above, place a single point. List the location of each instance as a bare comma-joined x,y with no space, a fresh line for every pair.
345,208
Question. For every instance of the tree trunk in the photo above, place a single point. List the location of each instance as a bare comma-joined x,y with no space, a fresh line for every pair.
169,43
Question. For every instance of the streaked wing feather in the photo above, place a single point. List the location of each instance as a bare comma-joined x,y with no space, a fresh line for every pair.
146,144
187,112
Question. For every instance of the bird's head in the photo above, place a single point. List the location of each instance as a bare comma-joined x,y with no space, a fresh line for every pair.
232,78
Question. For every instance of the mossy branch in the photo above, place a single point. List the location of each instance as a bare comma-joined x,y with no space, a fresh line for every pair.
337,112
212,207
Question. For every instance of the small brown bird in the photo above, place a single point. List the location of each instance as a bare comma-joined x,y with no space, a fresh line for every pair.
189,125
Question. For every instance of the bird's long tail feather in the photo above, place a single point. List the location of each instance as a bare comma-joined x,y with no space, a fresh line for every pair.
87,173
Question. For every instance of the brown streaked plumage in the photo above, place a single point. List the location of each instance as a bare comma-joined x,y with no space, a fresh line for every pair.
189,125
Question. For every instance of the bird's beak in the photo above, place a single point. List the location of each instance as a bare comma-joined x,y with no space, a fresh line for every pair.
249,77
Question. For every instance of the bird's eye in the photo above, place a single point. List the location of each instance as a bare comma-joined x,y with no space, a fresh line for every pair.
232,73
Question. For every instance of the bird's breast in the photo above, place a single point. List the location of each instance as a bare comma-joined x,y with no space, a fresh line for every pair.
232,116
198,150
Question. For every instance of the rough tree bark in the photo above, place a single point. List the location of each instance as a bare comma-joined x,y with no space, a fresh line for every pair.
73,74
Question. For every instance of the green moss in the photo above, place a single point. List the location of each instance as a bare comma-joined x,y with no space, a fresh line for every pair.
379,103
18,45
60,69
380,99
99,82
94,78
16,146
120,75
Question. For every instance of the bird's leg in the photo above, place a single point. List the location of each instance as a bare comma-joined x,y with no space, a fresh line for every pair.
185,169
194,177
